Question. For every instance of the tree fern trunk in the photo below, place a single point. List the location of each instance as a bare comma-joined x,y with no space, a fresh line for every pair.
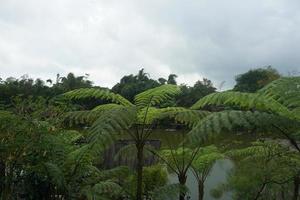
140,164
296,188
182,181
2,176
200,190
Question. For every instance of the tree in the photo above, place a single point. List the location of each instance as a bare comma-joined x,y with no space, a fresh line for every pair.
179,162
202,165
109,120
275,108
191,95
162,81
255,79
41,160
264,170
131,85
172,79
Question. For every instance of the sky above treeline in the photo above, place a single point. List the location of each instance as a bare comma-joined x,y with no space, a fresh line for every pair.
110,38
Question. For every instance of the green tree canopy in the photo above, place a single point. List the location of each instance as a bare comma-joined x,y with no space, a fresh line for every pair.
255,79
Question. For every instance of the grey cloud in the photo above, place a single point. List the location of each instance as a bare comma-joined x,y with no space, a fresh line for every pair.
107,39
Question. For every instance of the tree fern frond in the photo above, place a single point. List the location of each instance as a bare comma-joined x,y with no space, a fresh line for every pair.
103,190
70,136
216,123
103,94
168,192
108,106
156,95
56,175
243,100
154,114
117,172
107,127
82,117
129,152
190,117
285,90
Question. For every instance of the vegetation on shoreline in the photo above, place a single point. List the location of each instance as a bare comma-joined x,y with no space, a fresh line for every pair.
52,137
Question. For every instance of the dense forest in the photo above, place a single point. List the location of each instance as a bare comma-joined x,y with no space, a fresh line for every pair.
70,139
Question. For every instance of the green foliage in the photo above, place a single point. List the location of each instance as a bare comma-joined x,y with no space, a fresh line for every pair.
264,170
255,79
156,96
131,85
154,178
191,95
285,90
205,160
96,93
245,111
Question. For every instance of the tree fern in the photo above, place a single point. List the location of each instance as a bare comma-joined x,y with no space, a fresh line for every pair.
220,122
244,101
103,94
156,95
285,90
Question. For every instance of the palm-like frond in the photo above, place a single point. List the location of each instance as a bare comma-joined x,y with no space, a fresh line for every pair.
168,192
156,95
179,114
89,116
129,152
219,122
56,174
105,129
285,90
102,190
244,101
97,93
206,157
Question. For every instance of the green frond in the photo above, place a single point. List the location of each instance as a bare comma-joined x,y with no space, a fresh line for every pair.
117,172
154,114
219,122
56,174
285,90
70,136
129,152
103,190
106,107
179,114
97,93
244,101
156,95
170,191
191,117
82,117
206,157
105,129
89,116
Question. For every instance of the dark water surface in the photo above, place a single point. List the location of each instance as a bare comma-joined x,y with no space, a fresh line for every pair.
172,139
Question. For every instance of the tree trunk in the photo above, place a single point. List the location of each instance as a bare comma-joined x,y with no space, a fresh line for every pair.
200,190
139,168
2,176
296,188
182,181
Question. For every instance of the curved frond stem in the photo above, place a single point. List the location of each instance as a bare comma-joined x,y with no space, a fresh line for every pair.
164,160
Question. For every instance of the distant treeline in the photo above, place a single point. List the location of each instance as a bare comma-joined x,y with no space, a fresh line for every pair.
130,85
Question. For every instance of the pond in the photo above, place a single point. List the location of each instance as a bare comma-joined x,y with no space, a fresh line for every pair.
171,139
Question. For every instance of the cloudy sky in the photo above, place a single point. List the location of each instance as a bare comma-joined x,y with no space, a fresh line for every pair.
110,38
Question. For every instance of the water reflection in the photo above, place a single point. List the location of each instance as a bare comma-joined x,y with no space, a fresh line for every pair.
217,176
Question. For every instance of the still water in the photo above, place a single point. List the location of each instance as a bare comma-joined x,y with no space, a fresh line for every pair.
172,139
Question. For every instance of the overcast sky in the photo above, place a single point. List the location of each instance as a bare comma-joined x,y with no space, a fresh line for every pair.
108,39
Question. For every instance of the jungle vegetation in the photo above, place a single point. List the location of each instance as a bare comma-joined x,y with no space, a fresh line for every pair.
54,135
